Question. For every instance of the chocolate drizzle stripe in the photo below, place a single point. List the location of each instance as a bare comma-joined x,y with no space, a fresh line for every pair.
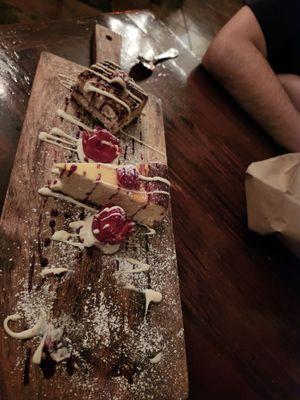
92,191
27,367
114,194
125,152
31,273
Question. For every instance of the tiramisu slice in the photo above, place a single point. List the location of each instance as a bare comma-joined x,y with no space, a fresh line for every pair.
109,95
142,190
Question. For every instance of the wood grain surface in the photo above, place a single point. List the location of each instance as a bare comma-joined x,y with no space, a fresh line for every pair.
116,369
107,42
240,291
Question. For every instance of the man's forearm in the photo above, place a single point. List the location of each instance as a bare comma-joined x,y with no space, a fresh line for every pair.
291,84
243,70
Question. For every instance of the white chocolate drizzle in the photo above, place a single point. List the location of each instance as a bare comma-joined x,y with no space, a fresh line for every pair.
143,266
76,224
104,67
73,120
37,356
64,236
155,178
150,295
160,192
150,232
85,235
91,88
85,231
57,137
60,355
142,142
150,178
54,271
48,192
38,329
41,329
118,80
65,81
156,359
55,171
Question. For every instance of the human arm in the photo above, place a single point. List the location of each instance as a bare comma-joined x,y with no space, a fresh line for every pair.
291,84
237,59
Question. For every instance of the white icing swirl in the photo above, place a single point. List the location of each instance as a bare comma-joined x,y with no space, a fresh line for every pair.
150,295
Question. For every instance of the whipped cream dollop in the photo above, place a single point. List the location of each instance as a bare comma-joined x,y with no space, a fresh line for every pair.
150,295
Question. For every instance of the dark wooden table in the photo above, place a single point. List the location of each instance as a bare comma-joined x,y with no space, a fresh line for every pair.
240,292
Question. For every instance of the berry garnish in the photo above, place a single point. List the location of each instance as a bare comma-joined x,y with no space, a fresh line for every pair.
100,145
111,226
128,177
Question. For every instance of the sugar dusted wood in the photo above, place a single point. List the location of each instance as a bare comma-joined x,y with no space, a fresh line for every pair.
149,129
31,169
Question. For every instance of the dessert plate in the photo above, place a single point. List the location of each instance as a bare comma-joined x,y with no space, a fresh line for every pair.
122,345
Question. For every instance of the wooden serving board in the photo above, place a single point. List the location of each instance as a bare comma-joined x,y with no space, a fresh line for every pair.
111,341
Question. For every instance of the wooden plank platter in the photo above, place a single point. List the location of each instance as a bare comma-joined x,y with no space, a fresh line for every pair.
111,340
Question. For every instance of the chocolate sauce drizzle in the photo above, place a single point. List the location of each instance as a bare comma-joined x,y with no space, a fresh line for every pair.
31,273
27,367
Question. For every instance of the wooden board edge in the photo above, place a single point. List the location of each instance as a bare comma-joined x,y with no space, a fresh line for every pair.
104,41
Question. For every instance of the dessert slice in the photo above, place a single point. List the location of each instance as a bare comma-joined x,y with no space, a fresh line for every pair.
143,190
109,95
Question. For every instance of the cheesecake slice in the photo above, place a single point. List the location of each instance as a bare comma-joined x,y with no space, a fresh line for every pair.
142,190
109,95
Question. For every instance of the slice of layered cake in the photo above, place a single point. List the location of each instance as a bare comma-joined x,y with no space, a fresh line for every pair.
142,190
109,95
